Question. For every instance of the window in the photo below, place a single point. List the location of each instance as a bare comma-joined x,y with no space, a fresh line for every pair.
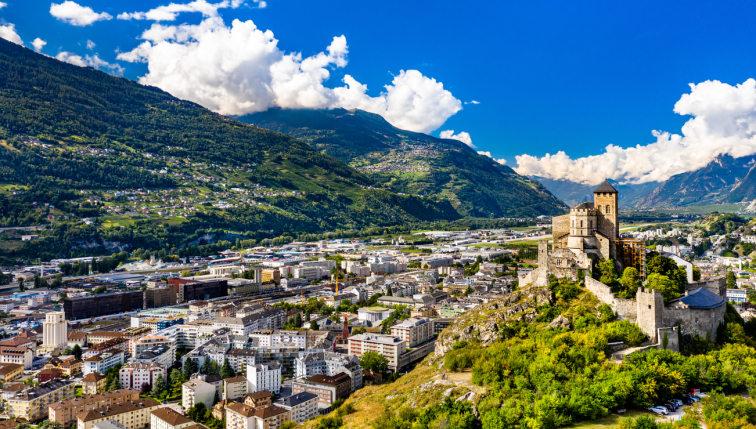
608,209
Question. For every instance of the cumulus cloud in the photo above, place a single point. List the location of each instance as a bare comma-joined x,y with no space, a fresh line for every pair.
8,32
501,161
239,69
723,122
90,44
75,14
38,44
2,5
472,102
93,61
464,137
171,11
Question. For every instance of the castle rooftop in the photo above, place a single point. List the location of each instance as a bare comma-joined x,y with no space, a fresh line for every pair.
605,188
702,298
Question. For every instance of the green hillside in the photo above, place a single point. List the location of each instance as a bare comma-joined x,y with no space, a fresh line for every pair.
157,172
415,163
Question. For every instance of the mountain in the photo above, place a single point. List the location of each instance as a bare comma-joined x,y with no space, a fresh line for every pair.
575,193
78,143
726,179
414,163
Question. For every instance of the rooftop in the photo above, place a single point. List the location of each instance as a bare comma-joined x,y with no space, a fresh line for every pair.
605,187
171,417
702,299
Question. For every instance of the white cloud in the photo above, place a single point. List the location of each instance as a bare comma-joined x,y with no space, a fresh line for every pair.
462,136
2,5
38,44
723,122
8,32
240,69
171,11
74,14
90,44
93,61
472,102
501,161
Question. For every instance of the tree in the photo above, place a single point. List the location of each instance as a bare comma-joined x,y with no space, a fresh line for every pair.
298,320
214,368
374,361
664,285
21,287
665,340
197,412
314,326
630,281
77,351
205,368
388,291
187,371
216,398
226,370
731,283
159,387
146,387
696,274
114,384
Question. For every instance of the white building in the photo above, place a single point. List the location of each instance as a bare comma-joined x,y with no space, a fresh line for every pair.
414,330
134,375
102,362
302,406
55,330
195,391
167,418
264,377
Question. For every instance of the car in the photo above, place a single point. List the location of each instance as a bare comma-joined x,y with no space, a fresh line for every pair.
678,402
658,410
667,406
702,395
691,397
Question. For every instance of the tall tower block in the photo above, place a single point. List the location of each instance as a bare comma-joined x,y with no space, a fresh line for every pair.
605,201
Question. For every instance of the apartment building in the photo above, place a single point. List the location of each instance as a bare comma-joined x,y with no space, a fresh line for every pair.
10,372
195,391
327,363
414,331
93,383
135,374
103,362
161,354
234,388
131,414
390,347
32,403
18,355
259,399
240,358
99,336
77,338
265,377
64,412
302,406
326,387
167,418
240,416
149,341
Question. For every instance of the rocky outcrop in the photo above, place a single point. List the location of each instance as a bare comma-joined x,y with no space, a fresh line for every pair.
560,322
482,324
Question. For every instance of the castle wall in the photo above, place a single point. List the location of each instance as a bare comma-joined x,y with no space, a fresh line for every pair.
650,312
626,309
608,223
673,339
560,225
717,285
695,321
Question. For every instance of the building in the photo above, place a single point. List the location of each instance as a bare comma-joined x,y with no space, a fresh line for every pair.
103,362
202,290
54,330
441,323
270,275
234,388
64,412
99,305
737,295
32,403
133,334
327,363
48,374
108,424
148,342
159,296
93,383
131,414
6,306
414,331
259,399
195,391
10,372
98,337
167,418
18,355
302,406
265,377
135,375
241,416
326,387
390,347
77,339
160,354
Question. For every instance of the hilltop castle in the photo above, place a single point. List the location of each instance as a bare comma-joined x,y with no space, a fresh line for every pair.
589,234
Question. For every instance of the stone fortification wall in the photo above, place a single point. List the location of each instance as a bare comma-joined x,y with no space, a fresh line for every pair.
650,312
695,321
717,285
625,308
673,339
560,225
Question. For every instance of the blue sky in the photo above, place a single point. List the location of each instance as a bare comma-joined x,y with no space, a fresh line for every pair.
549,76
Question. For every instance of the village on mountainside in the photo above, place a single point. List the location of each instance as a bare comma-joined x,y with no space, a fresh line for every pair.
262,336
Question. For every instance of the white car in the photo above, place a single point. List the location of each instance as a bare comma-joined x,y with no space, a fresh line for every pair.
659,410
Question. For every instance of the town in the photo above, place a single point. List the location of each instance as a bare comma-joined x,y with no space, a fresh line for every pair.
273,336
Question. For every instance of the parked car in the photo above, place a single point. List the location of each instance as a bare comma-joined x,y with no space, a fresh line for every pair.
678,402
658,410
702,395
672,405
691,397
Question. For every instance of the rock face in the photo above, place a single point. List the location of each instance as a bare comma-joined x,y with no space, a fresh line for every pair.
559,322
482,323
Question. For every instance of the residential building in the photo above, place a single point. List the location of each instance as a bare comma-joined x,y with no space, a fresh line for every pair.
160,354
48,374
214,379
241,416
259,399
32,403
98,337
373,314
108,424
326,387
6,306
195,391
302,406
240,358
284,355
327,363
93,383
149,341
77,338
390,347
64,412
25,338
167,418
10,372
414,331
135,333
134,375
737,295
18,355
131,414
103,362
159,296
265,376
54,330
234,388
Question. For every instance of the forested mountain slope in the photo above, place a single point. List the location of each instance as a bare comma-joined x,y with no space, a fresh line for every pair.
415,163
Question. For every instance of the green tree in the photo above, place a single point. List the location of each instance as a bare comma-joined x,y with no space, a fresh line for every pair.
205,368
630,281
314,326
21,287
388,291
114,384
665,340
696,274
374,361
77,352
664,285
226,370
731,283
159,387
187,371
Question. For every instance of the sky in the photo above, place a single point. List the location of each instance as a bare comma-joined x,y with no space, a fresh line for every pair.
576,90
